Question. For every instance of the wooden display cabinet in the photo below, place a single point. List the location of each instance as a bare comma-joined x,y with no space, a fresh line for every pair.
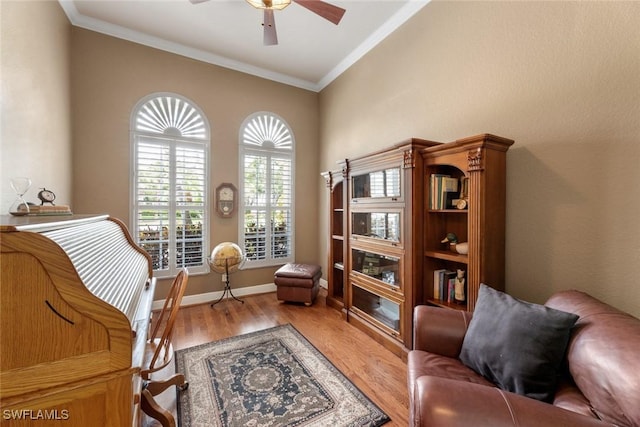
336,276
387,230
383,258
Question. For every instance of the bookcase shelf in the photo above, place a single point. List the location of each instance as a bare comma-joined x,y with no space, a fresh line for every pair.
444,304
481,162
448,256
448,211
387,227
337,245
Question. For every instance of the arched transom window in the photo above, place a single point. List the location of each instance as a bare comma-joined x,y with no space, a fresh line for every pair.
170,145
267,187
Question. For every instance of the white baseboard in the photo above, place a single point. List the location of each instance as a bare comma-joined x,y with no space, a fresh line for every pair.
214,296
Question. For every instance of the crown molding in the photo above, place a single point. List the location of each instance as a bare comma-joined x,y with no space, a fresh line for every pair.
120,32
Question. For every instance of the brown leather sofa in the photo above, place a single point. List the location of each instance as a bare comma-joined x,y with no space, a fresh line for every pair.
600,383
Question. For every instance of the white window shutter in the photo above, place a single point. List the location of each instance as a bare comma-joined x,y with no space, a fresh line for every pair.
267,170
170,212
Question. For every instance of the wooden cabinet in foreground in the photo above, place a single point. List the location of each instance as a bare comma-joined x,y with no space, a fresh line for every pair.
75,311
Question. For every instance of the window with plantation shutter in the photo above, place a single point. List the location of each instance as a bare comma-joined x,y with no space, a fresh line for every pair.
266,175
170,144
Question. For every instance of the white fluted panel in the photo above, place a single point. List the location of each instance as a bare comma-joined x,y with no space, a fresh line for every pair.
107,264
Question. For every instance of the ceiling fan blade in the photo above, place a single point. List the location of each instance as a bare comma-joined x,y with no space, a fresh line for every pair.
197,1
327,11
270,35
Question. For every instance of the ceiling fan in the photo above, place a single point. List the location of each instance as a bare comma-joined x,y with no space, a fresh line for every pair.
327,11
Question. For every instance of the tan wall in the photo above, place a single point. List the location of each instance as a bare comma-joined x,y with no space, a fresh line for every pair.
111,75
35,135
559,78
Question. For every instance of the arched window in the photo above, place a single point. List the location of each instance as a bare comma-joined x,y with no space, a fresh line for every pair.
169,185
266,184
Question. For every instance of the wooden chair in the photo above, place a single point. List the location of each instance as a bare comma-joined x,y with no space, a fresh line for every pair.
159,352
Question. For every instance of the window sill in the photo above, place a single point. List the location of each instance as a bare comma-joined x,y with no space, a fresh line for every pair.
250,265
193,271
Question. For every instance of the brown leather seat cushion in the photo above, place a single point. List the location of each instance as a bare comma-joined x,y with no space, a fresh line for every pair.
299,271
421,363
569,397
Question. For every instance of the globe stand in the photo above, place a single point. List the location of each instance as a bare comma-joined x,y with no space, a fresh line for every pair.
227,286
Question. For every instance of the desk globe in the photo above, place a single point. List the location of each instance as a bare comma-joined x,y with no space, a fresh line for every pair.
226,258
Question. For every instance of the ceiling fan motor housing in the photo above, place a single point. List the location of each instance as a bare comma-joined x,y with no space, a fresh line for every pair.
269,4
319,7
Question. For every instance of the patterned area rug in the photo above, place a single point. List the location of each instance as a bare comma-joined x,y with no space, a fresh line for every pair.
268,378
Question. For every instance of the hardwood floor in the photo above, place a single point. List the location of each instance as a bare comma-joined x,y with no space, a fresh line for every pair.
377,372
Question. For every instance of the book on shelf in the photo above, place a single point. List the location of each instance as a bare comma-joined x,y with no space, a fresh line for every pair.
444,285
443,189
49,210
451,289
448,280
440,283
436,282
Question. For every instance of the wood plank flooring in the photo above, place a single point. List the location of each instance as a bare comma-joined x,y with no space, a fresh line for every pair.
376,371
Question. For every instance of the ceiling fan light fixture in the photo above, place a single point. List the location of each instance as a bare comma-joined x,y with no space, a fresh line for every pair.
269,4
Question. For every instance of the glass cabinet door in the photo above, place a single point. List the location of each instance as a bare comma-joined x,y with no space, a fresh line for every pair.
379,184
380,308
377,225
380,267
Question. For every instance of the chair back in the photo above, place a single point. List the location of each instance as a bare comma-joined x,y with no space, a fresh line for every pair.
160,339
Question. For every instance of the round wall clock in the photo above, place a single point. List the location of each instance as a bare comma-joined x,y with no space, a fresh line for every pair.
226,199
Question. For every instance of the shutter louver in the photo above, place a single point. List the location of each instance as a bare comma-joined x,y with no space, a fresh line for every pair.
255,191
170,188
190,198
267,153
281,207
152,196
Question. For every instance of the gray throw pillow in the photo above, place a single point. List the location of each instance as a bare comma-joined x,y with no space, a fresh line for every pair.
517,345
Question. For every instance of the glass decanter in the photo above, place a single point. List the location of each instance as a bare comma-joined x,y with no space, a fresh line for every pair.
20,185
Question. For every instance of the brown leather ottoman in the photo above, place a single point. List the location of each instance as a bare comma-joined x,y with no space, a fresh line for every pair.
298,282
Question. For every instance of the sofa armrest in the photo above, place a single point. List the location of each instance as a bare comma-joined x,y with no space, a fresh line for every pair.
439,330
451,403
